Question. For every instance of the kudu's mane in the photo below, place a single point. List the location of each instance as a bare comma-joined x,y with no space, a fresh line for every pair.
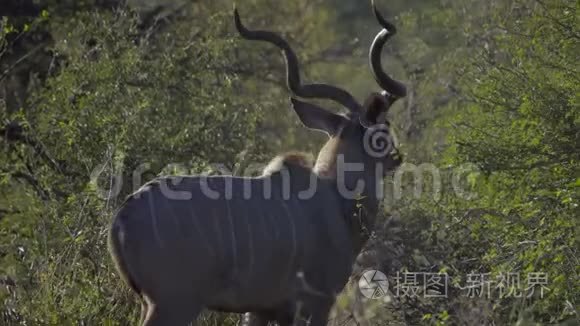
324,166
289,160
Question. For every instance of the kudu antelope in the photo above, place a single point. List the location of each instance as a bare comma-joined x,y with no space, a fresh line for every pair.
194,242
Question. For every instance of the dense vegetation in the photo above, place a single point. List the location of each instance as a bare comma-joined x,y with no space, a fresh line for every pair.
91,90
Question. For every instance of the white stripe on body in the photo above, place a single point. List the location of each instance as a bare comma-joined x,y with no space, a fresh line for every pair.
292,259
234,241
154,217
199,231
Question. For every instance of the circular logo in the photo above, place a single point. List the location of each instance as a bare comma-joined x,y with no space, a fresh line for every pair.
373,284
378,141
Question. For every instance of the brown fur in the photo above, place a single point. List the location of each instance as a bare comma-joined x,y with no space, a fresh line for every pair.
289,160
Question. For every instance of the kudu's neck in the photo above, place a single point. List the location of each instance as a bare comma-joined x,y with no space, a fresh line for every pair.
358,185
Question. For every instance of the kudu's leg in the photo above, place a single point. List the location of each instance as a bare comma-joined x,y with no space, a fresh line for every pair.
313,313
254,319
281,316
178,312
320,316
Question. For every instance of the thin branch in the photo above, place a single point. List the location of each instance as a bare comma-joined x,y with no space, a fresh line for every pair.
31,180
20,60
15,133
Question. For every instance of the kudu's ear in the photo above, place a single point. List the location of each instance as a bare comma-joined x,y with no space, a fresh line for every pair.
315,117
375,110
